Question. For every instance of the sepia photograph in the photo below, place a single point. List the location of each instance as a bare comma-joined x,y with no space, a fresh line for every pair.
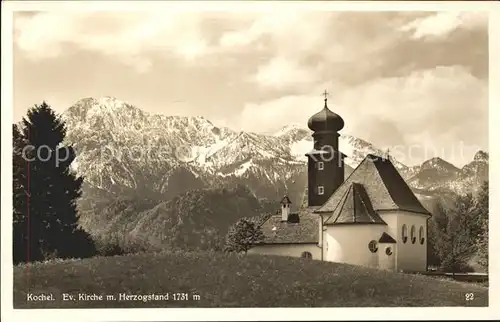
281,155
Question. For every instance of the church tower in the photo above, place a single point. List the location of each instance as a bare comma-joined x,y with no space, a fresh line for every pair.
325,166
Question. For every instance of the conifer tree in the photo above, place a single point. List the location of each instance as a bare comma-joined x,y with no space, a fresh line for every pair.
51,187
19,189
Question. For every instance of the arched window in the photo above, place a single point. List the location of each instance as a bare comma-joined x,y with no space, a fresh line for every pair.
404,234
421,235
388,251
413,234
372,246
321,165
307,255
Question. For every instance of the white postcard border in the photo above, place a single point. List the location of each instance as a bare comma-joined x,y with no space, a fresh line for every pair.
232,314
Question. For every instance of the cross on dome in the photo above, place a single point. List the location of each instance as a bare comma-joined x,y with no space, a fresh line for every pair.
325,94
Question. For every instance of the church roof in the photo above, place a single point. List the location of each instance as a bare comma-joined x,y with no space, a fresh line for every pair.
386,238
354,208
278,232
384,186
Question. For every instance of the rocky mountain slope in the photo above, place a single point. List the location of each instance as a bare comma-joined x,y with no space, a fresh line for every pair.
124,150
436,175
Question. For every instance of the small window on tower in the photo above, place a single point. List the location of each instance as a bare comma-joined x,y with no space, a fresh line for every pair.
321,165
321,190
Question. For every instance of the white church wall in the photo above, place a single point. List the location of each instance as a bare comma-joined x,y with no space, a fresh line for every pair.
411,256
349,243
391,218
324,245
387,256
293,250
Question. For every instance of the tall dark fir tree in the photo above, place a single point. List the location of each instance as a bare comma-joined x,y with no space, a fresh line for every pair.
47,211
20,200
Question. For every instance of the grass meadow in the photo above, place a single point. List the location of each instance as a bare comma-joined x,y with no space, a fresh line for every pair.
208,279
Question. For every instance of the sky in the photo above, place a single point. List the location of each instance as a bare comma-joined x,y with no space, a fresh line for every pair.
416,81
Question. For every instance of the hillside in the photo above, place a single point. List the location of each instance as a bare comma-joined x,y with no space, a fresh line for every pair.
234,281
194,220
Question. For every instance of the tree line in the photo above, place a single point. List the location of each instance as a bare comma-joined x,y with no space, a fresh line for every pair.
459,234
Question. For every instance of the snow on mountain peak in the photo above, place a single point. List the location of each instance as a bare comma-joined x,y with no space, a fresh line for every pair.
290,127
206,146
214,153
438,163
90,108
109,105
104,103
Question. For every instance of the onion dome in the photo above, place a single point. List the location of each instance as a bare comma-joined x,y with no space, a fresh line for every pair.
325,120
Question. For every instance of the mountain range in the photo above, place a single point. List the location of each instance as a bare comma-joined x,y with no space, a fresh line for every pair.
155,181
121,148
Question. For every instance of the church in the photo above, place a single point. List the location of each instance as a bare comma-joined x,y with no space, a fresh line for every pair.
371,218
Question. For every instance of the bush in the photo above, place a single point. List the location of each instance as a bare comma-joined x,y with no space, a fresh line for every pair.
242,236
